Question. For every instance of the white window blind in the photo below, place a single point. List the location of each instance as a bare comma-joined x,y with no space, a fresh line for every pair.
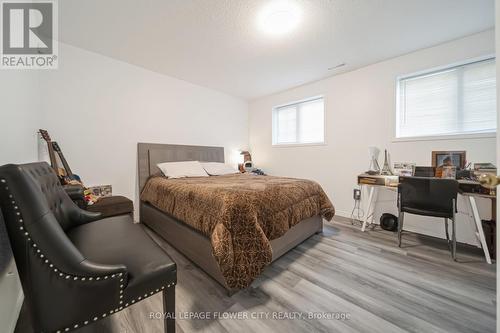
456,100
299,123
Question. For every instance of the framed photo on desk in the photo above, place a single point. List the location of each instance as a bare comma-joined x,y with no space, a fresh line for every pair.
448,158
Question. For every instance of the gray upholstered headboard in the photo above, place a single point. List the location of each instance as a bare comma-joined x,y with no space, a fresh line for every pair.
150,154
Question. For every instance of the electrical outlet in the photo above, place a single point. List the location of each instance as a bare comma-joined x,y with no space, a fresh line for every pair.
356,194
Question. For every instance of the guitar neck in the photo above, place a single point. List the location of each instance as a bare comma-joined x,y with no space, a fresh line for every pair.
69,173
50,146
52,156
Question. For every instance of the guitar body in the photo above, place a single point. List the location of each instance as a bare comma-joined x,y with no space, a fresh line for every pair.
71,177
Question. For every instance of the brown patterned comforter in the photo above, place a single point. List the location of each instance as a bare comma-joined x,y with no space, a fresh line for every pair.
240,213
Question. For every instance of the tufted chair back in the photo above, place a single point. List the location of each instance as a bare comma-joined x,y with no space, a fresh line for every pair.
57,200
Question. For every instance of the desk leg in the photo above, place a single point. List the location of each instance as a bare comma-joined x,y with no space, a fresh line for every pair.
479,227
371,199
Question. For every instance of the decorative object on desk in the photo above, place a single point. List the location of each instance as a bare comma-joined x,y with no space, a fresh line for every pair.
247,157
448,158
449,172
489,180
424,171
386,169
374,168
466,174
389,222
404,169
486,167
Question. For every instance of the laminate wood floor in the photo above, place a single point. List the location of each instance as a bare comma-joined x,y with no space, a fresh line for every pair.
365,276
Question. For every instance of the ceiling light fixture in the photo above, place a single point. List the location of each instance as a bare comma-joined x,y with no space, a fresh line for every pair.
279,17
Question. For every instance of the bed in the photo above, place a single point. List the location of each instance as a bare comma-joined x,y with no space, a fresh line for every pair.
233,250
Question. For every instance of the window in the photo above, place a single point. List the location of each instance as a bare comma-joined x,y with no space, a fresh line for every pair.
452,101
299,123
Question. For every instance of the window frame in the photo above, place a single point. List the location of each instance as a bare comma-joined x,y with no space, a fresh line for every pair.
298,144
432,71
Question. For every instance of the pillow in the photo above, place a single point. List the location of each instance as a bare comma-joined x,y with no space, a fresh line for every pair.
182,169
218,169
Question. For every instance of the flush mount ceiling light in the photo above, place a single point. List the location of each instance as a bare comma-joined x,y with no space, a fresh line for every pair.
279,17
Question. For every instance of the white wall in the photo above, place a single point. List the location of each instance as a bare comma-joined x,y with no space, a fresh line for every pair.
20,114
360,110
99,108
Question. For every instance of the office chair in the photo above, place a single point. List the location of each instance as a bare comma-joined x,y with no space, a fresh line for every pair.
429,197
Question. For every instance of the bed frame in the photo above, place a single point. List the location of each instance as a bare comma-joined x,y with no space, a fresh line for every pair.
184,238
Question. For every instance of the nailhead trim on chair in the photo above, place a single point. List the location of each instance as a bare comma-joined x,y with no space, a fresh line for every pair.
39,253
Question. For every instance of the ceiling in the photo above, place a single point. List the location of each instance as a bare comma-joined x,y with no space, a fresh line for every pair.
217,44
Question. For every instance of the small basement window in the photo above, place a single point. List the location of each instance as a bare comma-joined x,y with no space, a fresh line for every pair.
299,123
457,100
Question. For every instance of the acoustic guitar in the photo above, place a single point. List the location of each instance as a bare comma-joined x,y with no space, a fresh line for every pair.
60,172
70,176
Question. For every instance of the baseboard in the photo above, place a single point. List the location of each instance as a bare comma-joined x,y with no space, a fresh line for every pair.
342,213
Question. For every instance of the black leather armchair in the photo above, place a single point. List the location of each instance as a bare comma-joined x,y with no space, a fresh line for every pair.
74,267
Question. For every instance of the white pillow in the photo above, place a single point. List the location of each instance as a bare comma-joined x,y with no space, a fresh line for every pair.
218,169
182,169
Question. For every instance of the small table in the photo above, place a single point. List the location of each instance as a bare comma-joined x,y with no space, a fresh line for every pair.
375,182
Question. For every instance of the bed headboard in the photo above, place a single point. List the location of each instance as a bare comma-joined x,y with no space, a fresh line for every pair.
150,154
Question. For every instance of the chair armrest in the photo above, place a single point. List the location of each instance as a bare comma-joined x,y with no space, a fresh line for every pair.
75,192
76,214
80,216
96,269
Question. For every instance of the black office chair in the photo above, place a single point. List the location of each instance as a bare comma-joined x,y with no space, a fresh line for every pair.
429,197
74,267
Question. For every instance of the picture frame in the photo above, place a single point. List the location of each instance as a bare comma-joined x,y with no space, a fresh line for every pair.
454,158
101,190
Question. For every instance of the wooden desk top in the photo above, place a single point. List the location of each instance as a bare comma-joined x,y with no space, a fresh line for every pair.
391,182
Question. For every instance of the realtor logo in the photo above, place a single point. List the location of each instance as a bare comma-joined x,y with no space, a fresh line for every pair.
29,34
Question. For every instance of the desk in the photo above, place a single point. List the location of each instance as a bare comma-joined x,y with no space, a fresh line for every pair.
390,183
